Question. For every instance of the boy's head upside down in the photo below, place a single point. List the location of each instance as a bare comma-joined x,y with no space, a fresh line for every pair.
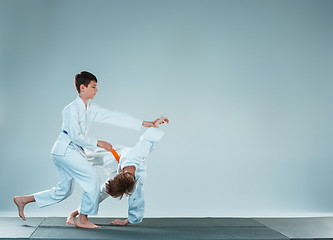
121,184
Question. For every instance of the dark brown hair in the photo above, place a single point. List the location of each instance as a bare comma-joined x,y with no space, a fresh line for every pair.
121,184
83,78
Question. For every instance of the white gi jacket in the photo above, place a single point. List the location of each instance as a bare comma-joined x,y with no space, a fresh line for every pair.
77,120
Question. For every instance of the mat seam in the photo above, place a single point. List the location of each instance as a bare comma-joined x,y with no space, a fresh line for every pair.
272,229
37,228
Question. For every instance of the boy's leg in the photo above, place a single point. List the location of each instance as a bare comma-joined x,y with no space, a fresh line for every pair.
63,189
45,198
102,196
70,219
146,145
72,165
78,167
96,158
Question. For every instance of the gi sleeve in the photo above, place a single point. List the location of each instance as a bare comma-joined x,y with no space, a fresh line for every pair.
136,203
71,121
119,119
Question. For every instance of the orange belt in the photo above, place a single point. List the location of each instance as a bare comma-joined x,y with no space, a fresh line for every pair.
115,154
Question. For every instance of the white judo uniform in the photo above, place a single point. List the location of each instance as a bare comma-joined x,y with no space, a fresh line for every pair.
129,157
70,159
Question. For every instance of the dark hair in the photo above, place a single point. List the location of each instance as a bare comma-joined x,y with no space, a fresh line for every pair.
121,184
83,78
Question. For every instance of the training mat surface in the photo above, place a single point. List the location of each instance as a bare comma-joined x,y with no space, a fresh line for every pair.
301,228
171,228
16,228
160,228
157,228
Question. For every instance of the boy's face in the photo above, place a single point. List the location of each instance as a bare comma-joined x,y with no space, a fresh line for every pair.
90,91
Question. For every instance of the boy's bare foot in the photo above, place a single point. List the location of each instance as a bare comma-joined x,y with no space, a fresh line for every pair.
71,217
120,222
21,201
83,222
20,205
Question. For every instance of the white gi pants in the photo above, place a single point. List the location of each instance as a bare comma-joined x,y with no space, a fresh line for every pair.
73,166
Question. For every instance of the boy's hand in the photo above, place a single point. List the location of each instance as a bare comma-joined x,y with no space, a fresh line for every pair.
160,121
102,144
156,122
120,222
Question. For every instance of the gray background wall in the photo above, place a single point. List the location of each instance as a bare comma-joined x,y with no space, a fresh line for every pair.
247,86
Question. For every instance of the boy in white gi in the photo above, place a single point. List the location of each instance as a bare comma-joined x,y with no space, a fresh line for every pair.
128,176
68,151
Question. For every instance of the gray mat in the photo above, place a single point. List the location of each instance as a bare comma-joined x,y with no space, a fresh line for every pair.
160,228
172,228
14,227
301,228
170,222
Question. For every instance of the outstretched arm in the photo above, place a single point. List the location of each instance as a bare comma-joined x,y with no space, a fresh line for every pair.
115,118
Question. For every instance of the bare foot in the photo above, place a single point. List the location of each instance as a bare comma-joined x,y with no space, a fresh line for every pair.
120,222
71,217
83,222
20,203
